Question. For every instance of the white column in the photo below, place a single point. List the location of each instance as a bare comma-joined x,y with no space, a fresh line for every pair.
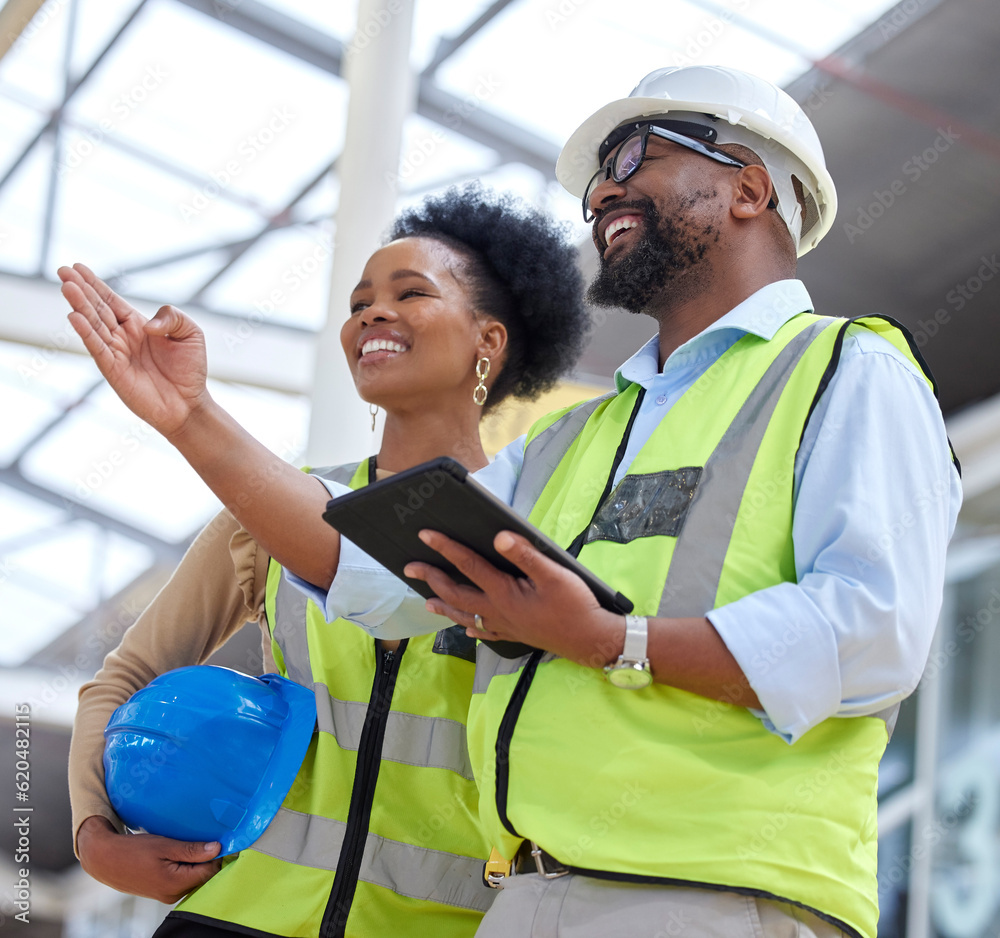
382,93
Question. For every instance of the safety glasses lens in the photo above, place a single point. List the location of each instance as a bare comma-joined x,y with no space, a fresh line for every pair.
598,178
628,158
625,162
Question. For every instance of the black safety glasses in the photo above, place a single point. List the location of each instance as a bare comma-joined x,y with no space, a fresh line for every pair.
633,151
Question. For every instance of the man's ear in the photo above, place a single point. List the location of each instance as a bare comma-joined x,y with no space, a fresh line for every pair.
752,191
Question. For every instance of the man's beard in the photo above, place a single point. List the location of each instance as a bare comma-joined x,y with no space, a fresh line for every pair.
666,248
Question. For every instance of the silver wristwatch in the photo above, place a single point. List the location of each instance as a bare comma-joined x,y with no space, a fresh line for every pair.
631,670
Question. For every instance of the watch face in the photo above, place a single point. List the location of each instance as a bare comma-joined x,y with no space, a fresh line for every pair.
631,677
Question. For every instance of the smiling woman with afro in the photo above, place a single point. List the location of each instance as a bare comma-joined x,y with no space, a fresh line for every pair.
524,274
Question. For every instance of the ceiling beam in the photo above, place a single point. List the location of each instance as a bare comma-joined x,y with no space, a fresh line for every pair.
56,117
241,348
448,45
514,143
273,28
282,219
164,551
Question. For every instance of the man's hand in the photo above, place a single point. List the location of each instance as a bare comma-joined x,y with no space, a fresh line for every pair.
552,608
144,864
158,366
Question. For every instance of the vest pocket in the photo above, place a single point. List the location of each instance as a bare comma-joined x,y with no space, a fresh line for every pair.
453,641
645,506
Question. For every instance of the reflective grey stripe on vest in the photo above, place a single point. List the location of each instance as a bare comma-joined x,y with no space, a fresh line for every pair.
413,740
544,453
341,474
290,603
410,739
700,552
433,875
490,665
289,631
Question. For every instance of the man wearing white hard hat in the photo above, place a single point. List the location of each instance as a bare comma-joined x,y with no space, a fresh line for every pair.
774,491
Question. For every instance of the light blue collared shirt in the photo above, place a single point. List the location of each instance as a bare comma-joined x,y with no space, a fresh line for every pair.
876,500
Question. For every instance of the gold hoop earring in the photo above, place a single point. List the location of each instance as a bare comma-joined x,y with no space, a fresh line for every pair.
373,410
482,373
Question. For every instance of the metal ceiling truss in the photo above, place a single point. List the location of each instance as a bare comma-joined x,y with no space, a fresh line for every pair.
255,19
72,88
512,143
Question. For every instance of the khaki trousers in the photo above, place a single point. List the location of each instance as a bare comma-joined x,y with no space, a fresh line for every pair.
576,906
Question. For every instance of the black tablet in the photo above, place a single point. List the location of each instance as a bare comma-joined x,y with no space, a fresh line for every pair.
384,518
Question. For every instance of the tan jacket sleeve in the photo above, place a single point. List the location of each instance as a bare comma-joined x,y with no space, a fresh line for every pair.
218,586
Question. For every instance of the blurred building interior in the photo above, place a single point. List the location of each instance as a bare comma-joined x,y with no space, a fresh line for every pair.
193,152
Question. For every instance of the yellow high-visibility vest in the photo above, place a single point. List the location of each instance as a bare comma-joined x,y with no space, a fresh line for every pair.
660,785
379,834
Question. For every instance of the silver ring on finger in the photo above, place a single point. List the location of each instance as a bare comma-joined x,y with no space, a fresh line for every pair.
479,622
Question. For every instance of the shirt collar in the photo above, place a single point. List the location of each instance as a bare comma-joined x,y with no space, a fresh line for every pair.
762,313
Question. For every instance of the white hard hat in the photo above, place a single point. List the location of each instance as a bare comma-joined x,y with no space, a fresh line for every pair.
742,109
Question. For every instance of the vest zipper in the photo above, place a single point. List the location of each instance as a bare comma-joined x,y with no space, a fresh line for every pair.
505,734
345,881
577,544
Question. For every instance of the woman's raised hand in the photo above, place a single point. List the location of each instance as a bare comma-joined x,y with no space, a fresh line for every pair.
157,366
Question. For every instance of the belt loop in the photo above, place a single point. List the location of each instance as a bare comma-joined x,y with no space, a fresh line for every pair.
548,866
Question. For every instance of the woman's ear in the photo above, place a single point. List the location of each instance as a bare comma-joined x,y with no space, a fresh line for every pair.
752,192
492,341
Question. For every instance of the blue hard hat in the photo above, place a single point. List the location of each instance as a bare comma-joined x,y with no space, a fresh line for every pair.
207,753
